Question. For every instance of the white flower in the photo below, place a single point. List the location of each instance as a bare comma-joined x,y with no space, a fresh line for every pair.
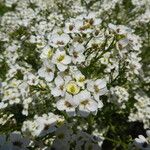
134,63
47,71
39,40
119,95
24,89
78,23
61,60
64,133
59,89
9,3
29,128
18,142
86,103
123,43
97,87
4,145
47,53
68,104
31,79
3,105
45,125
120,29
57,40
42,125
70,27
26,103
80,79
142,143
85,23
72,88
134,41
62,140
77,53
148,133
11,95
91,15
105,59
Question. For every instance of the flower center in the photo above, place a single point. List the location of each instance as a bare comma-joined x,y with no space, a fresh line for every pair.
81,79
70,27
96,88
49,54
61,136
60,58
72,88
17,143
75,54
46,127
60,42
48,70
61,87
85,102
67,104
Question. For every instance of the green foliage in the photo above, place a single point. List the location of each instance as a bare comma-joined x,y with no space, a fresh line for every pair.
4,9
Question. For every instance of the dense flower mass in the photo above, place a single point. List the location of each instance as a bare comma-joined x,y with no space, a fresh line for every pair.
74,75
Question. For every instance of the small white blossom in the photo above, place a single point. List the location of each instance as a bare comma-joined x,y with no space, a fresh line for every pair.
18,142
76,53
57,40
47,71
61,59
97,87
86,103
47,53
68,104
60,86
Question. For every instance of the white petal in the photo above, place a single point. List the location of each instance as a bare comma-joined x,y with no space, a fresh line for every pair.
56,92
90,86
100,104
79,48
67,78
83,112
75,102
84,95
67,60
54,38
49,77
142,138
100,83
62,67
81,58
61,105
97,21
148,133
71,112
41,72
59,81
103,91
65,38
96,96
93,106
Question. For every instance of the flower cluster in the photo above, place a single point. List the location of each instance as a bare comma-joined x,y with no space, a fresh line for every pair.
62,58
13,141
70,69
143,109
42,125
143,143
66,139
119,95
